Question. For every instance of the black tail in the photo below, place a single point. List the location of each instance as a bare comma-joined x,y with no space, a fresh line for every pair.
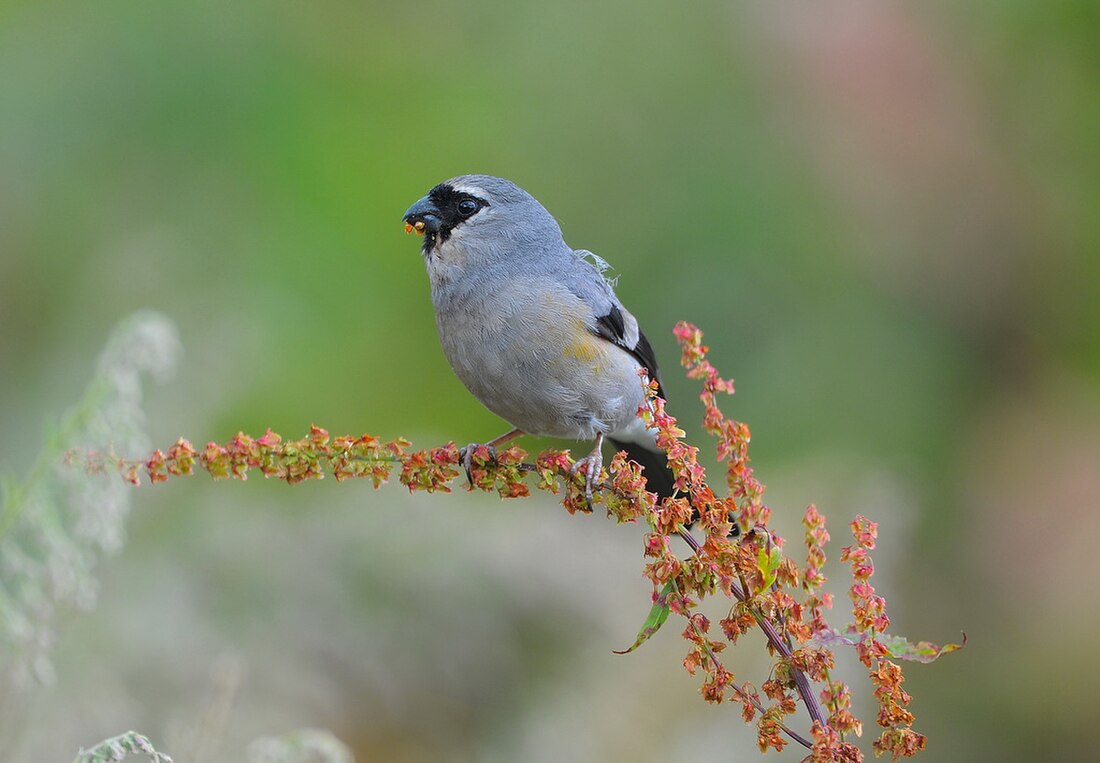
657,474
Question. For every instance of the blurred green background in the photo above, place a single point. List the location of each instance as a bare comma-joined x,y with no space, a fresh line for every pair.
884,216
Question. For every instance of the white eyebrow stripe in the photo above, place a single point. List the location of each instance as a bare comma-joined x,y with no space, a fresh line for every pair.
473,190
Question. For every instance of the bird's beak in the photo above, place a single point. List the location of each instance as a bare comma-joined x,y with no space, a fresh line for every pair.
423,216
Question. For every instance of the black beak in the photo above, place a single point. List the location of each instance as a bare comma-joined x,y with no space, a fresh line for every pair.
424,216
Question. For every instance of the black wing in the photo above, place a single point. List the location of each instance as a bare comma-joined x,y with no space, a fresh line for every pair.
612,327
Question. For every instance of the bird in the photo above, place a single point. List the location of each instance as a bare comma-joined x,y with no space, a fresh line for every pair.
533,328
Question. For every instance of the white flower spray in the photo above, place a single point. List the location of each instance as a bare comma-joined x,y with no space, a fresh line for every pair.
59,521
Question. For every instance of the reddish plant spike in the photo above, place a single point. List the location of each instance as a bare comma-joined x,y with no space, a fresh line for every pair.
767,590
871,620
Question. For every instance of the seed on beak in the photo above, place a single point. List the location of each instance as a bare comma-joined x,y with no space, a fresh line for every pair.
408,228
418,226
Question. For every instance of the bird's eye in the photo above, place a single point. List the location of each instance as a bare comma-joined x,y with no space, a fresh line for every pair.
467,207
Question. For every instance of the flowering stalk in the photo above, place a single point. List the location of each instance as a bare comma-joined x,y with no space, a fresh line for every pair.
739,557
55,526
120,748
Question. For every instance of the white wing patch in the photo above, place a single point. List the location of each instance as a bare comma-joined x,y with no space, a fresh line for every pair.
635,432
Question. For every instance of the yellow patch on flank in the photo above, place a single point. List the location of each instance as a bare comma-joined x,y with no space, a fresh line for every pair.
582,349
585,347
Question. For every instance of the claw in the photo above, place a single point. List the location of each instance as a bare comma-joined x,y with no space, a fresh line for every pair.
593,464
467,454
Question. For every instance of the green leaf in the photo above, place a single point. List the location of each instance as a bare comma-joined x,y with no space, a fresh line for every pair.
657,616
901,648
767,561
898,647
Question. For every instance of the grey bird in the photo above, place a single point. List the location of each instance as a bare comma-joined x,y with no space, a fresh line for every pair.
532,327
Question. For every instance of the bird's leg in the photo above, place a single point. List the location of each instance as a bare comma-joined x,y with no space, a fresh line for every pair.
467,453
593,464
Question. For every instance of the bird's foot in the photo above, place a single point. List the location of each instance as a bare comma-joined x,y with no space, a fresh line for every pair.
593,465
466,456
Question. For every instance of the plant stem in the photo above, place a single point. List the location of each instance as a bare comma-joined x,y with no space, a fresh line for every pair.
805,690
745,697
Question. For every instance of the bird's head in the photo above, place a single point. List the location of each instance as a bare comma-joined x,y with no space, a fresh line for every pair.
472,220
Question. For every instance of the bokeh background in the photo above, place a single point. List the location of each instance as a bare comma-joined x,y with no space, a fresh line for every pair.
884,216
